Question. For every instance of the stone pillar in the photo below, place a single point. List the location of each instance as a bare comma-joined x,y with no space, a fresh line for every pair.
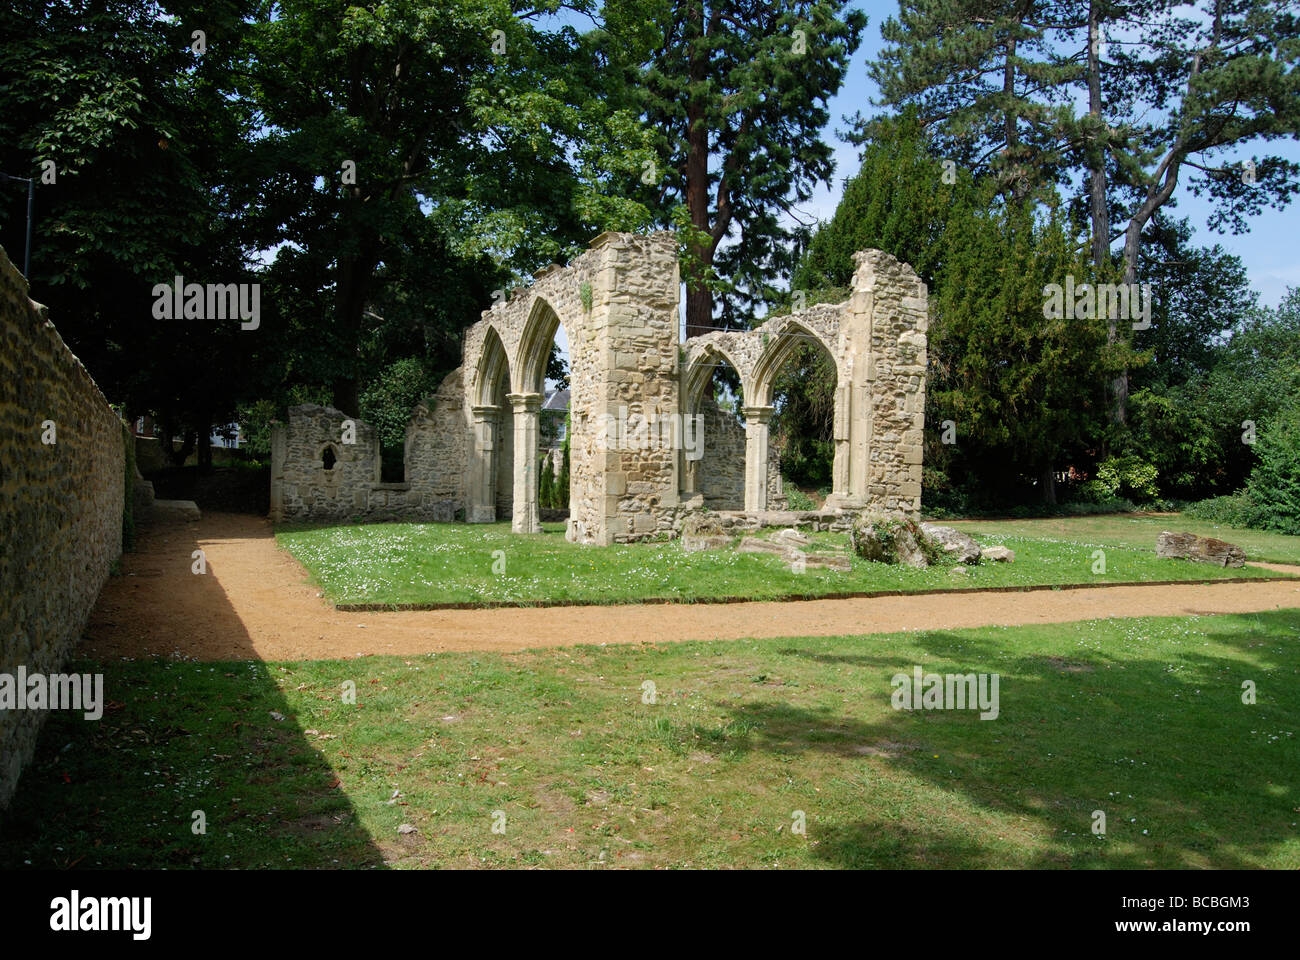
483,467
527,517
756,439
840,480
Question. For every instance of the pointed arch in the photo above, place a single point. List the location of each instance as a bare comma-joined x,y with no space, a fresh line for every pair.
535,347
493,365
782,343
700,374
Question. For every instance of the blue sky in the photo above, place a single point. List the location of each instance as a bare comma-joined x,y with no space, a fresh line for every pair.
1270,251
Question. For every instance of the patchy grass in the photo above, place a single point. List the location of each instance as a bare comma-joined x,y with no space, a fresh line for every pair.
413,563
1142,719
1139,531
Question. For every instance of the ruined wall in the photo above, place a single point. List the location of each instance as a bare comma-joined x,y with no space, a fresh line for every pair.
721,469
889,305
618,304
437,451
877,341
60,504
303,489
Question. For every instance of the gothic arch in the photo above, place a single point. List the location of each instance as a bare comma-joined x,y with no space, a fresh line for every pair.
529,368
782,341
493,364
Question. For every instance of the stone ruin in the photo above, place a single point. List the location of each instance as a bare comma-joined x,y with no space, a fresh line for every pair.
648,443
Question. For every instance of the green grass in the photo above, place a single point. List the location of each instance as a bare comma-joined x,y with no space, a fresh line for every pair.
1141,719
412,563
1139,531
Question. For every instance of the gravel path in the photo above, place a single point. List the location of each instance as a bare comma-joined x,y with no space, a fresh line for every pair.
255,603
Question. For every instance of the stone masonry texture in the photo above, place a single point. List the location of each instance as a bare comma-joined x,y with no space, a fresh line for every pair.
473,448
60,504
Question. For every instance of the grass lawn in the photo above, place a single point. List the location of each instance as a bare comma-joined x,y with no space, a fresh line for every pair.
1139,531
1141,719
412,563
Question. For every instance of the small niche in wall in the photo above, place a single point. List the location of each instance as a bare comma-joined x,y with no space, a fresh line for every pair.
328,458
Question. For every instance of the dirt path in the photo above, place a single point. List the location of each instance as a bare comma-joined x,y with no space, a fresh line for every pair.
255,603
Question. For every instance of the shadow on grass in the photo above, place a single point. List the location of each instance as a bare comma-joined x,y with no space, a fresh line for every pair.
1161,746
180,738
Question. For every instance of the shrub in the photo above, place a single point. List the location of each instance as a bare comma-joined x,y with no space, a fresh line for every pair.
1234,510
1129,477
1274,487
796,498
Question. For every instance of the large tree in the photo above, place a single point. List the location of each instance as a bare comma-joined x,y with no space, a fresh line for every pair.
405,137
126,120
1116,100
736,93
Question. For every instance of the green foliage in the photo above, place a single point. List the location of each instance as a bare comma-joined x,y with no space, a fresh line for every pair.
545,485
148,145
737,109
1128,477
1194,430
1234,510
1274,486
387,403
796,498
898,201
804,396
1025,392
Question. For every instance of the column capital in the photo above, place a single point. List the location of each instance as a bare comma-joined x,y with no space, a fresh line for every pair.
525,402
758,414
485,410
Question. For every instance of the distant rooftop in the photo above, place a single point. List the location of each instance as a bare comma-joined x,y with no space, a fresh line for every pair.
556,400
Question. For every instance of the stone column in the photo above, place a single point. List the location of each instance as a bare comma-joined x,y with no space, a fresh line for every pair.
756,438
840,481
483,467
527,517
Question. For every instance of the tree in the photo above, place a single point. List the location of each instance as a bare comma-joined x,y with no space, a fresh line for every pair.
985,83
736,94
135,140
407,134
1022,389
899,201
1180,86
1191,83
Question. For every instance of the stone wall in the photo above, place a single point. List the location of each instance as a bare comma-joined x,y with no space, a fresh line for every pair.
877,342
618,304
437,449
60,504
721,469
315,475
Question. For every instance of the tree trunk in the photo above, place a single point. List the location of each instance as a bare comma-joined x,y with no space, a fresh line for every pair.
1097,201
346,396
699,298
204,440
1048,482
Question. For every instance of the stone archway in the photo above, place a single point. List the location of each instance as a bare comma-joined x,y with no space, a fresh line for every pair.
618,303
487,408
779,345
